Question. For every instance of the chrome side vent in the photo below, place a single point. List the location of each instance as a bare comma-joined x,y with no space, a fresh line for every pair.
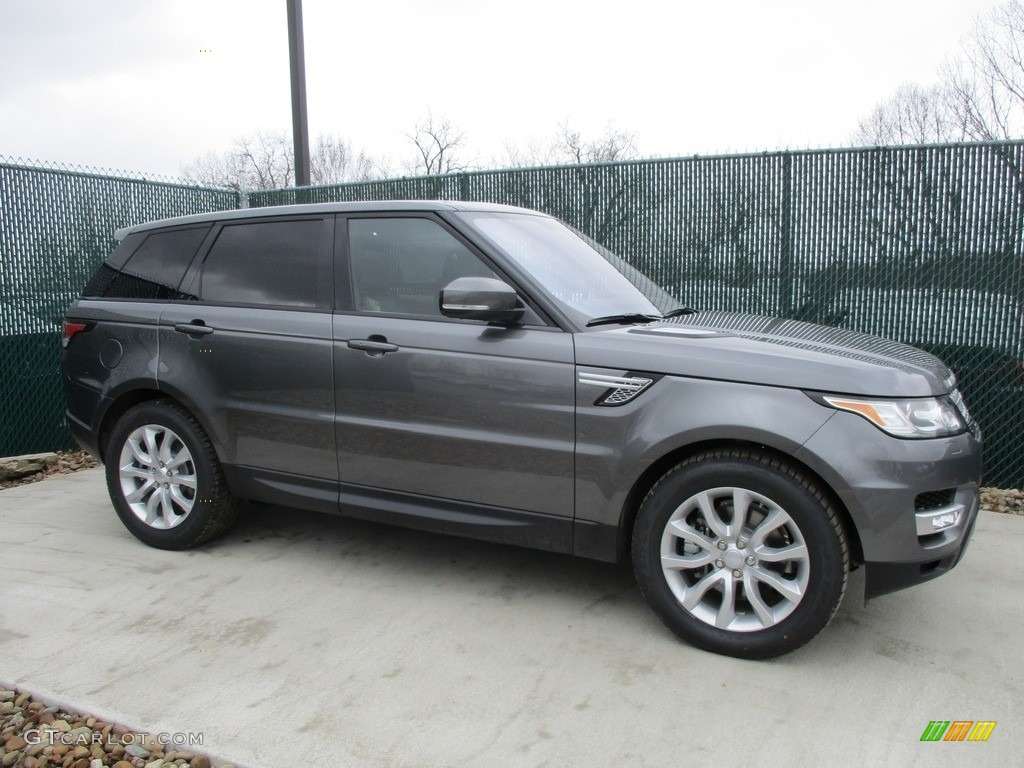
618,390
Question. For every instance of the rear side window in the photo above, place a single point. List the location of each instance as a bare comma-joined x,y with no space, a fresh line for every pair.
153,271
265,263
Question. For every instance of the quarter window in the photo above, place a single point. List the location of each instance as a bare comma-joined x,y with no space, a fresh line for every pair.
152,270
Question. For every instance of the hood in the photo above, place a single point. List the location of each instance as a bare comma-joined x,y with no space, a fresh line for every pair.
768,351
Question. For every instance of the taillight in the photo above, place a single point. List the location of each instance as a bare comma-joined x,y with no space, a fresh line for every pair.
72,328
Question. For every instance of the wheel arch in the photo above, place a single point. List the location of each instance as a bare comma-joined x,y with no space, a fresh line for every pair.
128,400
638,492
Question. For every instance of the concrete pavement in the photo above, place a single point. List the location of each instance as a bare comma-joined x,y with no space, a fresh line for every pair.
300,639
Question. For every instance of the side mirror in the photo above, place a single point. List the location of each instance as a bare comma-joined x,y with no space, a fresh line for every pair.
481,298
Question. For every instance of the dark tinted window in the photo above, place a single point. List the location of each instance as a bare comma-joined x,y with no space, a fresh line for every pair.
272,263
125,249
400,265
165,256
152,270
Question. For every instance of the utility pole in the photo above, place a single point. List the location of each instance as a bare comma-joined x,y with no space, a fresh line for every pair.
300,122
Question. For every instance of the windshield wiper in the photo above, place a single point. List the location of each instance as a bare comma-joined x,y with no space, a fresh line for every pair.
679,312
636,317
626,317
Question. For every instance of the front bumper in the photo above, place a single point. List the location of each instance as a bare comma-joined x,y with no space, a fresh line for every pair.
884,577
913,503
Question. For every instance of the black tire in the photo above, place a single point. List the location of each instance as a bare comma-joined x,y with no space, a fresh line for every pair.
756,590
170,490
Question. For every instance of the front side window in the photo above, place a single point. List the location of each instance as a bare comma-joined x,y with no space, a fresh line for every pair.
273,263
400,265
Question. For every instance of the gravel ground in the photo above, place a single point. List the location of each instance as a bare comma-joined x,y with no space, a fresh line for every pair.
33,735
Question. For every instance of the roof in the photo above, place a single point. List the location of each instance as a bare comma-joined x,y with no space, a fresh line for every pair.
371,206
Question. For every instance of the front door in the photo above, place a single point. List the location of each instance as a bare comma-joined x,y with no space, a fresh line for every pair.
431,409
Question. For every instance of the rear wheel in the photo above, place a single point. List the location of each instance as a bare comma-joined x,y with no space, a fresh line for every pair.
164,478
740,554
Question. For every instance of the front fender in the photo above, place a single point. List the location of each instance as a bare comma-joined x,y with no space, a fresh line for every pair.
615,445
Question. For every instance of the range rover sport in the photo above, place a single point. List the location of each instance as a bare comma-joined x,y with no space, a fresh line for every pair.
487,371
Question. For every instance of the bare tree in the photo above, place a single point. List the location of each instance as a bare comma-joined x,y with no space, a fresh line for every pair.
986,82
439,146
570,146
264,160
980,94
333,161
611,146
914,115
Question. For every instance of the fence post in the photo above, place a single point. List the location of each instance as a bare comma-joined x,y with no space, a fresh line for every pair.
786,224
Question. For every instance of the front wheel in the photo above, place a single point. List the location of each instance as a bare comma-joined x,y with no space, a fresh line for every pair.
740,554
164,478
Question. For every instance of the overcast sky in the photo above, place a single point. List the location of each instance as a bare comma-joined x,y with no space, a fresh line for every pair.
147,85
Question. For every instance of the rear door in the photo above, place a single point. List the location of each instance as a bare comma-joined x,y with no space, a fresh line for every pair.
467,423
252,355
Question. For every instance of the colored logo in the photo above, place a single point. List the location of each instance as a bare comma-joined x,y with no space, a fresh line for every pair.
958,730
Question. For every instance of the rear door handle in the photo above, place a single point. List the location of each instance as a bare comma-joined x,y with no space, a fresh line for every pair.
195,328
374,346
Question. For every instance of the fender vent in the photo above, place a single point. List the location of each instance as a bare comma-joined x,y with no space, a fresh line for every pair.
618,390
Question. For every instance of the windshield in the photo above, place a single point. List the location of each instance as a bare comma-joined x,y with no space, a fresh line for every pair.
583,277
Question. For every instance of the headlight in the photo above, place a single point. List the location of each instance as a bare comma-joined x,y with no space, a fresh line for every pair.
911,418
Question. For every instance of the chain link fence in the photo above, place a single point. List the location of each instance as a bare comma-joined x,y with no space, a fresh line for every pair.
918,244
56,226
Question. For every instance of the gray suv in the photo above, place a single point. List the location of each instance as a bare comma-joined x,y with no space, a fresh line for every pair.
488,371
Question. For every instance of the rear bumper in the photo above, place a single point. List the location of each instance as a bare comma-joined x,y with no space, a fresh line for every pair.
85,407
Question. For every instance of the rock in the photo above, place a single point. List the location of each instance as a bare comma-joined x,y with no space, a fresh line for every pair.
6,707
21,700
199,761
155,764
14,467
14,743
10,759
6,695
97,763
80,751
123,764
61,725
136,751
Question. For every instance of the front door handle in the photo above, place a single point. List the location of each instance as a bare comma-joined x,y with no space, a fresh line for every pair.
195,328
375,346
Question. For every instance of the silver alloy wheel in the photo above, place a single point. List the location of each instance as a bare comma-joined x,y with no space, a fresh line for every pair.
158,476
735,559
